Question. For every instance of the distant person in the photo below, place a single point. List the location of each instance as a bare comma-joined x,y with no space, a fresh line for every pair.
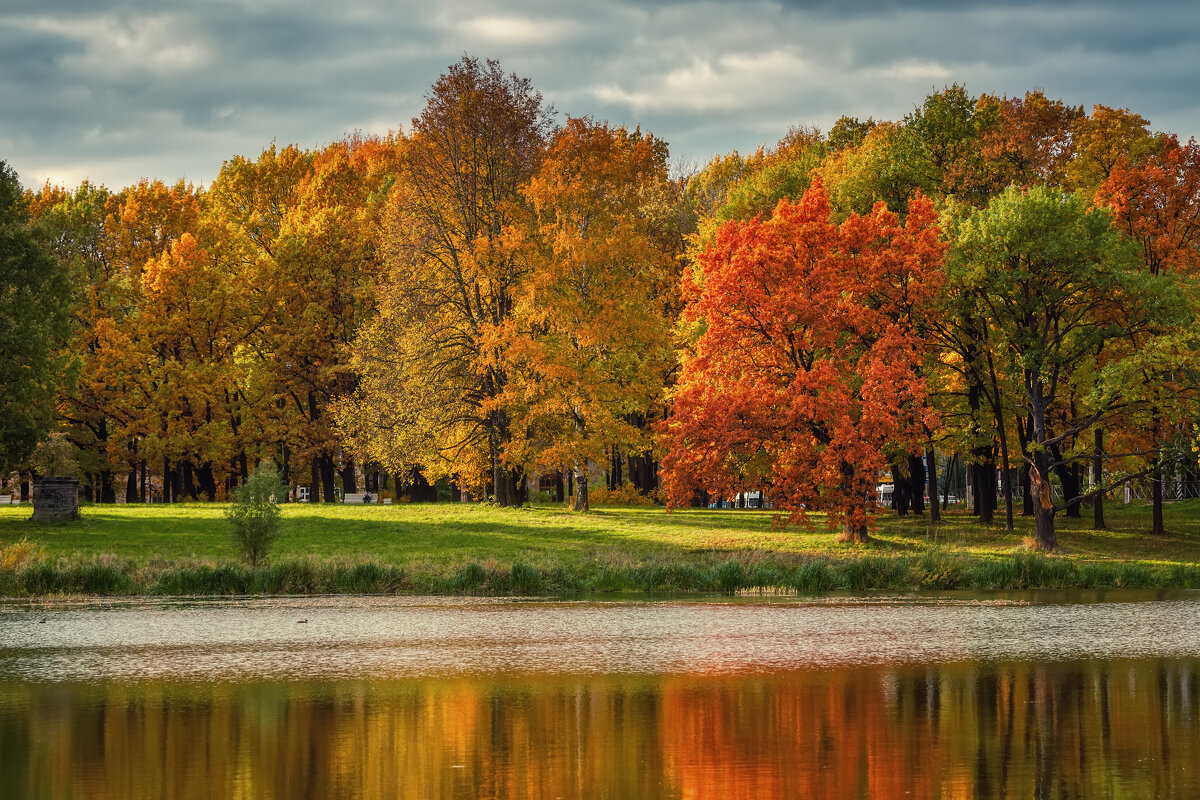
366,497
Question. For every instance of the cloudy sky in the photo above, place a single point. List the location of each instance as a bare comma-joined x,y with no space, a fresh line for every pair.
115,91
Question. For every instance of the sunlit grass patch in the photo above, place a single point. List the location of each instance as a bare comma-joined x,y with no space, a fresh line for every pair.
477,549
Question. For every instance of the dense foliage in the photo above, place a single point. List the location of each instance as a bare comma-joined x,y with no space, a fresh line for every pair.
497,304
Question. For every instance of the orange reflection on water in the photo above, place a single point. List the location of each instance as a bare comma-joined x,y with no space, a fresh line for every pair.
955,731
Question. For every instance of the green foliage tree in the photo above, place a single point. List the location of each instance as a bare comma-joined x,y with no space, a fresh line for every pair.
254,514
1062,298
33,323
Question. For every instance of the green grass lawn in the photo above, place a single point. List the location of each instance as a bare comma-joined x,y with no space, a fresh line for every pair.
438,541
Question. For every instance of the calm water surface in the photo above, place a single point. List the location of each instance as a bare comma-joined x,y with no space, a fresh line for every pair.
1024,696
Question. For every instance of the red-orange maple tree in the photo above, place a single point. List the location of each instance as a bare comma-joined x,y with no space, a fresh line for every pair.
806,368
1156,202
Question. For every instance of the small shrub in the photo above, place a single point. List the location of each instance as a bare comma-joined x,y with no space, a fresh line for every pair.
563,580
368,578
20,553
254,514
867,573
624,495
729,576
815,576
765,576
99,578
204,579
993,574
526,579
470,578
293,577
937,570
40,577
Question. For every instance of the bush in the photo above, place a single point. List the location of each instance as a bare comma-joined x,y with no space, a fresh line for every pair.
624,495
729,576
254,514
816,575
525,579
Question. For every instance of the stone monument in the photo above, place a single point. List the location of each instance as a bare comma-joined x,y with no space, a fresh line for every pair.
55,499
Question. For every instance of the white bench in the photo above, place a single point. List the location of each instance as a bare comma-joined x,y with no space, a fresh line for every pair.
6,500
356,497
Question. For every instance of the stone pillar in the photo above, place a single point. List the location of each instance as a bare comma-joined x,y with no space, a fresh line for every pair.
55,499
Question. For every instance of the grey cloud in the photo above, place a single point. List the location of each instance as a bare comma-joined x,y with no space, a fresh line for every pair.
706,76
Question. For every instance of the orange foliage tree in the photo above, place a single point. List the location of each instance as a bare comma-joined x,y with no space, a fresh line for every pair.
1156,204
588,339
805,370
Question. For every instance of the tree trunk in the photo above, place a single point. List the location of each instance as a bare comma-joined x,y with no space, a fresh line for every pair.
1024,428
1098,472
131,495
1069,476
285,473
984,480
314,491
349,478
327,474
581,486
855,533
931,459
208,483
502,485
188,480
852,531
166,487
1043,505
900,486
559,493
951,472
1005,475
916,484
1026,495
1156,487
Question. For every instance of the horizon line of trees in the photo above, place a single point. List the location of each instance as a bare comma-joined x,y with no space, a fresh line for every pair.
494,295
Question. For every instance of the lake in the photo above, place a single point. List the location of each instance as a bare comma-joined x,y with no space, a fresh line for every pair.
1036,695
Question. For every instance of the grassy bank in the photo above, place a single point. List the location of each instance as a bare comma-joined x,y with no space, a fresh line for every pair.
472,549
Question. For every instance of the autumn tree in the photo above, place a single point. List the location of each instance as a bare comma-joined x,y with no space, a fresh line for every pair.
1101,141
33,306
859,176
1027,142
1061,295
431,366
1156,204
326,262
588,337
105,240
803,374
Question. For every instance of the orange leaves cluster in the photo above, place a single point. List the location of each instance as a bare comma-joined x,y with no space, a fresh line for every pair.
1156,202
587,341
807,367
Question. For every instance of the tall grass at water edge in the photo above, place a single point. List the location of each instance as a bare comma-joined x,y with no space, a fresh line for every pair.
932,570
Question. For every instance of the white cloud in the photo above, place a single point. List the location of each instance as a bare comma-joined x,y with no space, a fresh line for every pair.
117,46
516,30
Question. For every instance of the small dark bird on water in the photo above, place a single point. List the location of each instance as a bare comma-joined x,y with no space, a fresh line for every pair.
301,621
43,619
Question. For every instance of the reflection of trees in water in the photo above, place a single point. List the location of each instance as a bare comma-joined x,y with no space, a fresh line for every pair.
983,731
